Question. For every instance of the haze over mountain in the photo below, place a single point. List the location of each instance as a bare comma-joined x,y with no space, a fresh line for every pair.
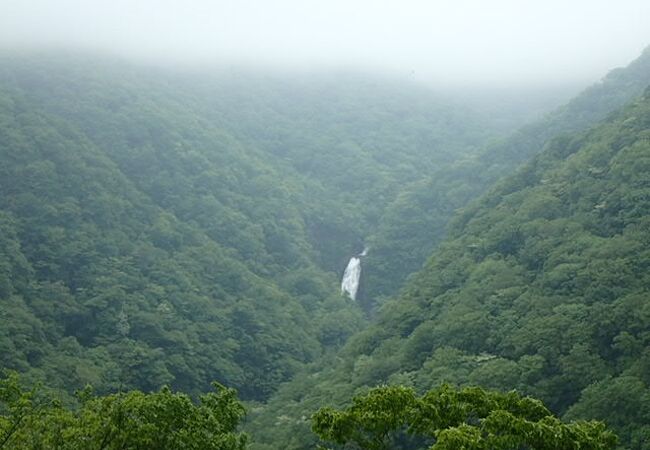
418,219
468,42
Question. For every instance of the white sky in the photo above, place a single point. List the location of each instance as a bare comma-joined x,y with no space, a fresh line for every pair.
453,41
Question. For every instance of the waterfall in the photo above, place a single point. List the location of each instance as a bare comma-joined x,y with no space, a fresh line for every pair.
351,276
350,281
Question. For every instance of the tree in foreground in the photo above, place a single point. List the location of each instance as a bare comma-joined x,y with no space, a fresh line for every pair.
393,417
133,420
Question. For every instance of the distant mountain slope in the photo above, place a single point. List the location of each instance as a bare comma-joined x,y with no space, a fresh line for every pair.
177,228
543,286
414,224
337,149
100,285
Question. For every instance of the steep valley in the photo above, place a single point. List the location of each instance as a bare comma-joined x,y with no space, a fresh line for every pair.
167,227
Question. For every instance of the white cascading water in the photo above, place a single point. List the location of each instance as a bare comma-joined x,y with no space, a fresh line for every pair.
351,276
350,281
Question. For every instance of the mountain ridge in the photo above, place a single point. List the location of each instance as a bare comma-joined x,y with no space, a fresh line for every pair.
423,212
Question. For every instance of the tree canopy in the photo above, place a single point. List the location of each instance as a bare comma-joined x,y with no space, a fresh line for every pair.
445,418
132,420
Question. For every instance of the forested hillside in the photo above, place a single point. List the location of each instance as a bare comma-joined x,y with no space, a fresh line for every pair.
417,220
101,285
542,287
337,149
177,228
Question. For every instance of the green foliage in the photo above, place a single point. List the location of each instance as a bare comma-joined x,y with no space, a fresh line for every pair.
173,229
134,420
448,418
177,228
624,402
417,221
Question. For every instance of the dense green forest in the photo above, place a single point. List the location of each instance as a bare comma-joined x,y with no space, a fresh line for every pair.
417,220
445,418
542,287
167,231
178,228
32,419
385,418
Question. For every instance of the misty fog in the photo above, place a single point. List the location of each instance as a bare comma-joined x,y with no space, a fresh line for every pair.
460,43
